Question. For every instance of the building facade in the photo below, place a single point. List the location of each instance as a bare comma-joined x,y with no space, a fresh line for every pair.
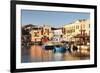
77,30
57,34
40,33
36,34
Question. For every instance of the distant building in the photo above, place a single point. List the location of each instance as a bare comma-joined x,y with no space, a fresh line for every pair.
25,34
57,34
41,32
36,34
47,31
78,31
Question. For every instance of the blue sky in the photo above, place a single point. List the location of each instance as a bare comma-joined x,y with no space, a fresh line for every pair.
52,18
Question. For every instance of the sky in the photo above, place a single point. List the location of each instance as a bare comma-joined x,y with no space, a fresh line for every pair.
51,18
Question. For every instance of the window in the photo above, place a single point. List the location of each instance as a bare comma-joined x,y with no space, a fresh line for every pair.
36,34
89,25
77,26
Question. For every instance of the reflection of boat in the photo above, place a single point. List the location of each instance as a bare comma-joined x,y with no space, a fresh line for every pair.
49,47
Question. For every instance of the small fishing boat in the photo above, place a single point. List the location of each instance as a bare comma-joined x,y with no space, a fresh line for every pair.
59,48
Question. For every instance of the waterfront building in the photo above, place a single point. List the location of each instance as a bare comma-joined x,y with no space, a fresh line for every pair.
41,33
57,34
25,34
47,31
77,31
36,34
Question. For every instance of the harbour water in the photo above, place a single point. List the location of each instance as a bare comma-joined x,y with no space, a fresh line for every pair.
36,53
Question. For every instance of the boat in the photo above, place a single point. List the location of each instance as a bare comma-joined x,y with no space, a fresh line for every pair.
59,49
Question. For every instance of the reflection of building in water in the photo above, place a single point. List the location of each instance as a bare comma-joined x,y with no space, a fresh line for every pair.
36,53
75,31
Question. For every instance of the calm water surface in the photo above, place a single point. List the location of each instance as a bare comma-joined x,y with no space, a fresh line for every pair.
36,53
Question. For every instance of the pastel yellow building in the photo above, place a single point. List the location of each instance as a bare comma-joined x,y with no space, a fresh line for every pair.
79,27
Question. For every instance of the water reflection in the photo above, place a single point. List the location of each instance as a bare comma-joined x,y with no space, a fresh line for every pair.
36,53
